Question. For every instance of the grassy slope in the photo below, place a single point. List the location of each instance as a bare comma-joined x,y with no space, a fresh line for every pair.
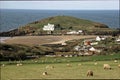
65,22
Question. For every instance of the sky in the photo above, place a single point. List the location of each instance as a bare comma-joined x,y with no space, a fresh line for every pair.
62,5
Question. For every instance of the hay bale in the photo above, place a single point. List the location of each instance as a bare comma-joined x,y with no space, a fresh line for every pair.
95,63
3,65
49,67
89,73
17,64
68,65
44,73
79,64
106,66
52,67
115,61
119,65
20,64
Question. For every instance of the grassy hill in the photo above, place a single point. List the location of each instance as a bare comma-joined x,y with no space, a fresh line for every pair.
66,22
62,23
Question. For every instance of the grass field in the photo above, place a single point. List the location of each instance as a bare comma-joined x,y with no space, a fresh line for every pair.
60,71
33,69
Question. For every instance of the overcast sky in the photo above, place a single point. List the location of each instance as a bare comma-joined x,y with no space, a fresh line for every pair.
62,5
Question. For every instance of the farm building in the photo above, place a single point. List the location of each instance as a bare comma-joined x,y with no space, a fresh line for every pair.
94,43
72,32
118,40
49,27
75,32
98,38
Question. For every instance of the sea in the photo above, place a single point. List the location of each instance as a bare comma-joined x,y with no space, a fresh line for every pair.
13,18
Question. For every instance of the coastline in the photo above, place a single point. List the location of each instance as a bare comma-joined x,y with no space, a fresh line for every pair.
3,39
84,14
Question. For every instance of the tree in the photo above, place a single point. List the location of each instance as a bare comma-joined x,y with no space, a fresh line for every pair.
58,27
70,28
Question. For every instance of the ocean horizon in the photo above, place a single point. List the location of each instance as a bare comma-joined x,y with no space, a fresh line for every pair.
14,18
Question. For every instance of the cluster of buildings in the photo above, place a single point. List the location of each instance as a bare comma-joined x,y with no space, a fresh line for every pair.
88,45
51,27
87,48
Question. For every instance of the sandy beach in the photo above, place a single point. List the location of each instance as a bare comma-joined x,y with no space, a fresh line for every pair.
2,39
40,40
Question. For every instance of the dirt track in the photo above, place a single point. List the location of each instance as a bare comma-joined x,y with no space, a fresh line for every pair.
39,40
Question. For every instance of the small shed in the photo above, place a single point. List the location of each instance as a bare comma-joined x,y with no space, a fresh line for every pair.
92,49
64,43
77,48
98,38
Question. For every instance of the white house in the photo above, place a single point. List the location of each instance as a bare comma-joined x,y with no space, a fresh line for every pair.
98,38
63,43
92,49
77,48
103,38
94,43
80,31
118,40
49,27
75,32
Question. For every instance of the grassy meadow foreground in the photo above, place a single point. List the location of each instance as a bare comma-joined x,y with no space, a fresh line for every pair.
62,68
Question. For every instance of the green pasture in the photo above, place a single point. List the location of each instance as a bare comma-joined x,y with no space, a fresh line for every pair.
77,70
33,69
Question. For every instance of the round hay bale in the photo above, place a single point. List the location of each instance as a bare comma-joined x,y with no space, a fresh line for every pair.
79,64
115,61
17,64
52,67
95,63
20,64
89,73
3,65
68,65
44,73
47,66
106,66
